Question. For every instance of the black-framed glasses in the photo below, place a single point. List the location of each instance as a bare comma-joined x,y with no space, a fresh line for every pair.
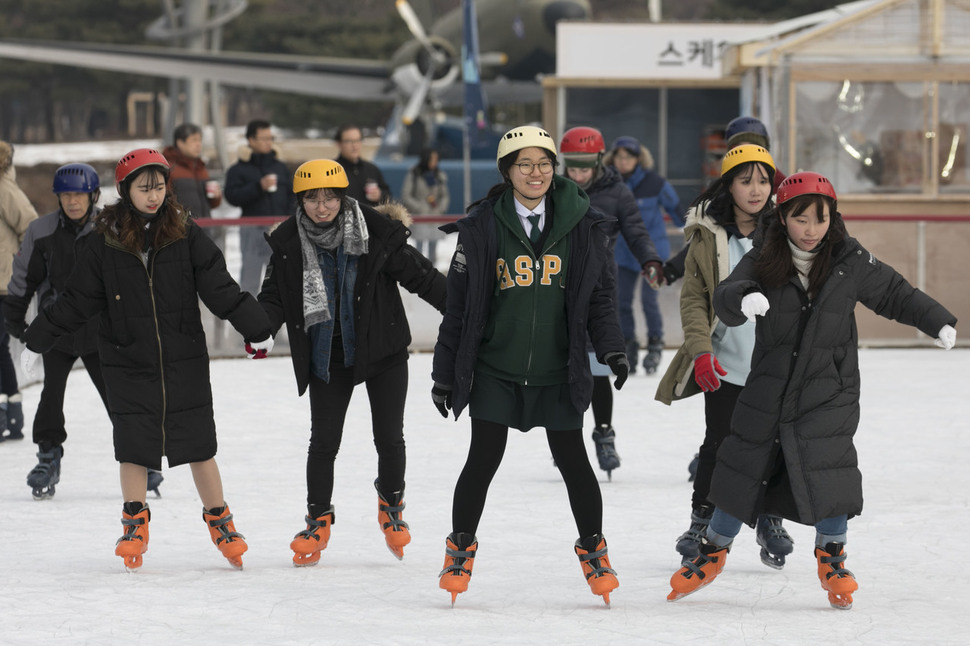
328,202
545,167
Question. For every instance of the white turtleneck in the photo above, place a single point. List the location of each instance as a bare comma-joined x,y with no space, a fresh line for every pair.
803,262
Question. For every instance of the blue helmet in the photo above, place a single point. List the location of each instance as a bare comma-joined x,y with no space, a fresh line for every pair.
746,125
76,178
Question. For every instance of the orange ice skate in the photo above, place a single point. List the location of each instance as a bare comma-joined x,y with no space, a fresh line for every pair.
460,550
223,533
134,542
308,544
698,572
835,579
595,561
396,531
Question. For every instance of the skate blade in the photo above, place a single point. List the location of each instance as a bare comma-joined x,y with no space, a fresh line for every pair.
840,601
674,595
132,563
606,599
398,552
43,494
235,562
155,491
771,560
454,595
306,560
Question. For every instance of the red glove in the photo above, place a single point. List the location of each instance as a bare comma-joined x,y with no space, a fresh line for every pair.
706,369
653,271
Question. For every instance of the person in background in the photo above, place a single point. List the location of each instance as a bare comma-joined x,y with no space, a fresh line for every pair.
42,267
366,182
654,196
259,183
715,358
425,192
531,278
582,151
16,214
791,448
191,184
333,280
143,272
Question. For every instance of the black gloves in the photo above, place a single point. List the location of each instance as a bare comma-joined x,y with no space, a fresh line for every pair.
620,366
441,396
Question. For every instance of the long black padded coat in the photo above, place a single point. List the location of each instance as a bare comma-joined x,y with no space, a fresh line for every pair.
151,342
380,321
791,450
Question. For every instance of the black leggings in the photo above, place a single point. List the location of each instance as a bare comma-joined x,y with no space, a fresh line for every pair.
49,418
484,456
718,410
328,410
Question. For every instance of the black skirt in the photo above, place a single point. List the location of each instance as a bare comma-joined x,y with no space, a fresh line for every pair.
523,407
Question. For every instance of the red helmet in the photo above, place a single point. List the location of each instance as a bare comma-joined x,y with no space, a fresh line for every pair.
582,140
804,183
139,159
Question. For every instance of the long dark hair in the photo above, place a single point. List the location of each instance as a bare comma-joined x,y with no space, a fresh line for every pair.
122,220
422,166
775,266
504,168
721,206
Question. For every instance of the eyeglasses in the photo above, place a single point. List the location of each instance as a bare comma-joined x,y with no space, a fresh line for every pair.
526,168
327,202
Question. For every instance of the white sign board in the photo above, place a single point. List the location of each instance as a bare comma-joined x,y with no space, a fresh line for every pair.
646,51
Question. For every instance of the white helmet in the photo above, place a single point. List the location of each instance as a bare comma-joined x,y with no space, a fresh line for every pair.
525,137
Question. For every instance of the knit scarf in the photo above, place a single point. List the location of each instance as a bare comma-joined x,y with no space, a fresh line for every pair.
803,262
349,230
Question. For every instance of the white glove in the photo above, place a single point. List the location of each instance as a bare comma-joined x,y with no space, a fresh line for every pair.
754,304
259,349
947,337
28,358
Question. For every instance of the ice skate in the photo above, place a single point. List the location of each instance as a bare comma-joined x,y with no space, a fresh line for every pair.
47,473
396,531
224,535
695,574
604,437
308,544
134,542
154,479
651,361
689,543
15,417
835,579
460,551
774,541
595,561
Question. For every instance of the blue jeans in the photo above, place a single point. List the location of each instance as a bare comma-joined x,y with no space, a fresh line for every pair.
626,282
724,527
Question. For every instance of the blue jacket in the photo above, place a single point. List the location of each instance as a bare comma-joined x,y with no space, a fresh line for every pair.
652,192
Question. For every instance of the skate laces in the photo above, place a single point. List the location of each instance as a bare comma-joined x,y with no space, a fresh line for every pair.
311,530
694,567
773,528
835,562
394,521
458,565
131,526
592,559
225,533
46,462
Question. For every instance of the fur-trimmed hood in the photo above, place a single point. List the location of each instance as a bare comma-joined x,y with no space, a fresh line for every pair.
245,153
6,157
395,211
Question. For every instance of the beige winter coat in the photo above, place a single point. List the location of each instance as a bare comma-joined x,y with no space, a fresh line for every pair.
707,264
16,213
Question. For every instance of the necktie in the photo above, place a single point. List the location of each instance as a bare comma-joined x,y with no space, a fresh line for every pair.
536,231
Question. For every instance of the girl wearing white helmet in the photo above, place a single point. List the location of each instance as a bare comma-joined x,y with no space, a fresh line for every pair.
333,279
532,275
143,271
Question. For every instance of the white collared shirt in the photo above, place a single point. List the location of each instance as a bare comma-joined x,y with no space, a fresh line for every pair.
524,214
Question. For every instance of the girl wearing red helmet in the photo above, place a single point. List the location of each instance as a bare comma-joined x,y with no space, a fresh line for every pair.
791,450
144,269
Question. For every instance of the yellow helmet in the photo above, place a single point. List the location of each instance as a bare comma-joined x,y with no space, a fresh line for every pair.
319,173
746,153
525,137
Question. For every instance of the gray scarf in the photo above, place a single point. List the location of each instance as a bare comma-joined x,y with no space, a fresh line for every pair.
350,230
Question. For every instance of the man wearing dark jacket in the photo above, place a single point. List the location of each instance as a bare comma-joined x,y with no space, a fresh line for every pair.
366,181
261,185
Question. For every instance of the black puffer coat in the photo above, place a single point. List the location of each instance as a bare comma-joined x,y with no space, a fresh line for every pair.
380,322
611,196
791,449
151,342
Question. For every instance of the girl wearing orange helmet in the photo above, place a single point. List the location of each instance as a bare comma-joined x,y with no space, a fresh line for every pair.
791,451
144,269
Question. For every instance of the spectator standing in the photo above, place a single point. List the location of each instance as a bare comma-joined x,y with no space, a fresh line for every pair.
425,192
191,184
654,196
16,214
366,182
259,183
